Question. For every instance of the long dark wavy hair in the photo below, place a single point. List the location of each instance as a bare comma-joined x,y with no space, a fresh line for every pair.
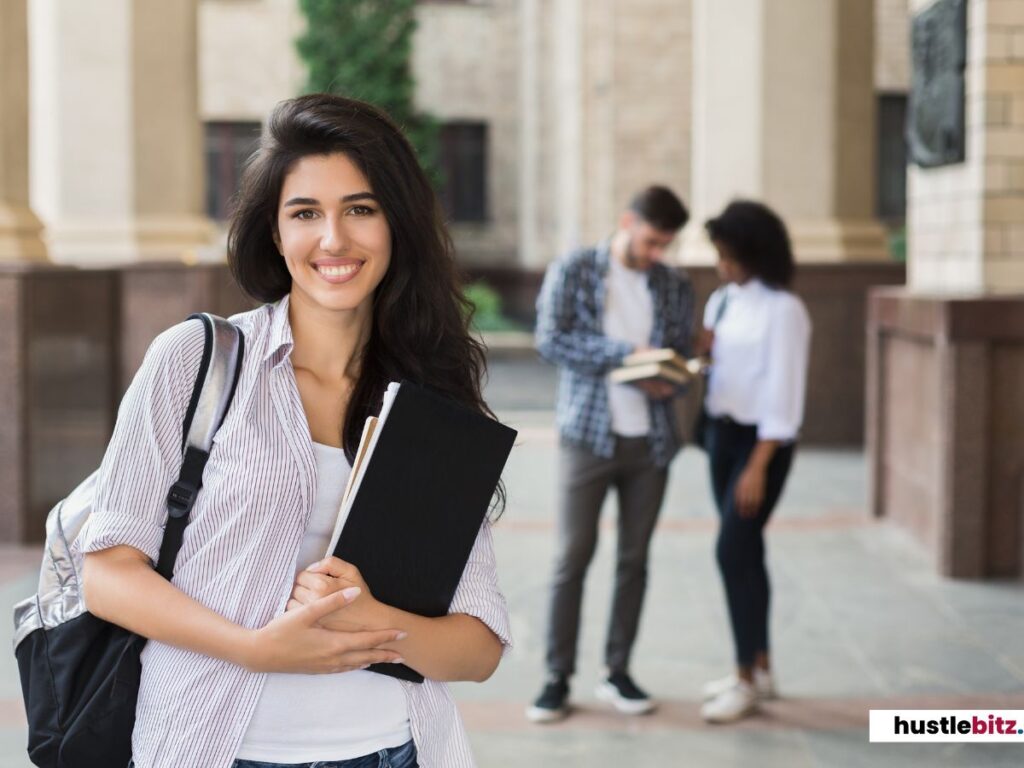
420,327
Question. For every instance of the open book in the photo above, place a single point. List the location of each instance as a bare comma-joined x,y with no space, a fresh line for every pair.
420,487
662,364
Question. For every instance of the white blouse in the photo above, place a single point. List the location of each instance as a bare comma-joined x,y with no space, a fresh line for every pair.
240,549
759,358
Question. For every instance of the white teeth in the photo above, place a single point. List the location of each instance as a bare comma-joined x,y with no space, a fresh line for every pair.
341,271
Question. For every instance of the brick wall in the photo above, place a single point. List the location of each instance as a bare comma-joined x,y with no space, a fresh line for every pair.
966,221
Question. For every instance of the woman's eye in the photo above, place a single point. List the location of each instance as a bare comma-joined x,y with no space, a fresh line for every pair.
362,210
305,215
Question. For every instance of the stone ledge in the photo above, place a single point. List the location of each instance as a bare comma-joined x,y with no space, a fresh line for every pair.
945,425
950,317
508,344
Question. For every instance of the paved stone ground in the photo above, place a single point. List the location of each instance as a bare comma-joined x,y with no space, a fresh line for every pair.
860,622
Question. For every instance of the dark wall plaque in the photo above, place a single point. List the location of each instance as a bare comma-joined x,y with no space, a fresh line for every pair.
935,129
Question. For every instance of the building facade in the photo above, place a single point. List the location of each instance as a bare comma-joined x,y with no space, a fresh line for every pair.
554,111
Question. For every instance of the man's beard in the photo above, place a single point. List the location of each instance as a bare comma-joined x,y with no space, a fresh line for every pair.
632,261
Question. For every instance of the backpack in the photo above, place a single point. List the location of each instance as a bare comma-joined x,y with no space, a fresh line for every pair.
80,674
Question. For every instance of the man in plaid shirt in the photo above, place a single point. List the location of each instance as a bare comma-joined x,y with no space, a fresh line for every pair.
596,306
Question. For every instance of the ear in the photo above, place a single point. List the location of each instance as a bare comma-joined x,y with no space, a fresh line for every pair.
276,236
627,219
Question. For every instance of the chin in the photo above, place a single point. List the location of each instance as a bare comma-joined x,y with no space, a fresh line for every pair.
333,300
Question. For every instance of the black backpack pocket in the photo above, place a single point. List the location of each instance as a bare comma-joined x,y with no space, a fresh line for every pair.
81,682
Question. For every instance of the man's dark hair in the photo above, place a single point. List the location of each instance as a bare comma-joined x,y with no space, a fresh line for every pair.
660,208
756,238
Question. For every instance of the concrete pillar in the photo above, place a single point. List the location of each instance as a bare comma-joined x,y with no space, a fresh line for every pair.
783,111
117,155
633,100
605,91
19,227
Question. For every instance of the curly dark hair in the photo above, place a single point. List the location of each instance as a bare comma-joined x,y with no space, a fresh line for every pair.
420,326
756,238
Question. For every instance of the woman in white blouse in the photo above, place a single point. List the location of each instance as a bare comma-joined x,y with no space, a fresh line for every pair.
758,333
259,646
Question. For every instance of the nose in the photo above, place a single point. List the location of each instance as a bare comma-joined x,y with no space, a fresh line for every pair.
333,239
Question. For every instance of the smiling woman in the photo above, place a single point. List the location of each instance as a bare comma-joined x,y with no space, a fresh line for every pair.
337,229
332,232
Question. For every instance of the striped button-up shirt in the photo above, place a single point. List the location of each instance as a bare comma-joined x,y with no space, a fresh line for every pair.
240,547
570,314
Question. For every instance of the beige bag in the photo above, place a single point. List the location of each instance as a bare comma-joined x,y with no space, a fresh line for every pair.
688,411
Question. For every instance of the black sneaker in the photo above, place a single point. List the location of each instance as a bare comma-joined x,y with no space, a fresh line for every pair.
552,704
621,692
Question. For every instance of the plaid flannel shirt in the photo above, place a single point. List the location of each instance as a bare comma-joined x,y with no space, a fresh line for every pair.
570,313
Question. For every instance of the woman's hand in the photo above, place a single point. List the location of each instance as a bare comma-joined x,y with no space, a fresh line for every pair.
331,575
297,642
705,341
749,492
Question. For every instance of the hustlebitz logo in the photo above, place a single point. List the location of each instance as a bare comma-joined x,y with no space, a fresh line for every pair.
976,726
962,725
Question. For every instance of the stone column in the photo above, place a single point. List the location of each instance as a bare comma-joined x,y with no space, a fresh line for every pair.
117,153
783,112
605,94
946,354
19,227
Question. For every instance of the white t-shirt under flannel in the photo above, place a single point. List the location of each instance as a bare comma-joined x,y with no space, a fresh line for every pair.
239,550
628,316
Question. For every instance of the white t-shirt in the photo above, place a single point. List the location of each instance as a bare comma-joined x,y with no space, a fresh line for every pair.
759,359
310,718
628,316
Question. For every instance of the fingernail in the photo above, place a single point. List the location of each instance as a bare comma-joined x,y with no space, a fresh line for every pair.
401,636
351,593
399,660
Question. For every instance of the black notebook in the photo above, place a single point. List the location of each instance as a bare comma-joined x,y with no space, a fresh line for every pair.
421,486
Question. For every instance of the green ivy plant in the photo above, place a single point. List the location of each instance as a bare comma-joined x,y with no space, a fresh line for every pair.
487,313
362,49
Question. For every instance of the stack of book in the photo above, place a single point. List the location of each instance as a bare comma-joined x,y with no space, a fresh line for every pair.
658,365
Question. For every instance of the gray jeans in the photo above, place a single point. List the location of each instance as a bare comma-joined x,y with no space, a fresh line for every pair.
583,484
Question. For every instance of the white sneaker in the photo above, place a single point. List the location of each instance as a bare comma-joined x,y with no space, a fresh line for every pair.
764,685
619,690
731,705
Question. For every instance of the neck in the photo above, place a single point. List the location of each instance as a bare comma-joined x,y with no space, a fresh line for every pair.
328,343
619,247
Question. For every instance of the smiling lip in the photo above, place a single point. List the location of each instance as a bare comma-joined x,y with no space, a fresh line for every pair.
337,270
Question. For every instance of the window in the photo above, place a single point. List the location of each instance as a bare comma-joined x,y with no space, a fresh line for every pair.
892,157
463,157
228,145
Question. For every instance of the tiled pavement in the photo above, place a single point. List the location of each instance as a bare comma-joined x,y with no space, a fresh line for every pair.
860,622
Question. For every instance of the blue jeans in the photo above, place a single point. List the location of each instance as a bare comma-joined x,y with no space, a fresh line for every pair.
396,757
740,547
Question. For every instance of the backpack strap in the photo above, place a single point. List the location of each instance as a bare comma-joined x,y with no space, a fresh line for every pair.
214,388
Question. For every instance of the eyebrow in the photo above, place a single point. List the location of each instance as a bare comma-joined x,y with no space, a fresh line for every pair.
346,199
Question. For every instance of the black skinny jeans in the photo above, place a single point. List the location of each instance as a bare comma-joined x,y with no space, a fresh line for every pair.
740,547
